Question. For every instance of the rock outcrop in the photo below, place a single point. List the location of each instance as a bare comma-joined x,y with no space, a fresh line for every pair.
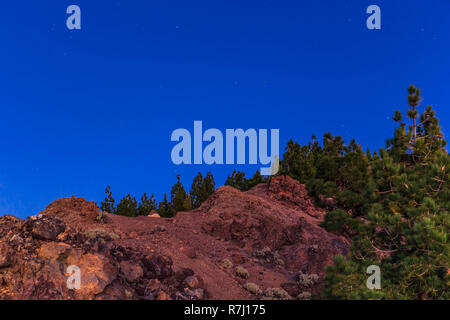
270,234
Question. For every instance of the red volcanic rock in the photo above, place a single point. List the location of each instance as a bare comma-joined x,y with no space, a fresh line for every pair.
272,231
131,271
289,192
5,255
45,227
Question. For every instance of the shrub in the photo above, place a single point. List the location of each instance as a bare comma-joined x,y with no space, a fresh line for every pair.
276,294
253,288
277,259
304,296
242,272
101,216
266,255
100,234
227,264
307,280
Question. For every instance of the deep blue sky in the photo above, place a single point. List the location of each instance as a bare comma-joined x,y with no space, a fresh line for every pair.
84,109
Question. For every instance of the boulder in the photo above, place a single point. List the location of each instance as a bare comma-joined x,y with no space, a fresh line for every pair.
132,272
192,282
158,266
154,214
5,256
46,227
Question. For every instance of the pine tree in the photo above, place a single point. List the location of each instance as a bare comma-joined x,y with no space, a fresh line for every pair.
127,207
210,186
239,181
165,209
178,197
336,170
256,179
108,204
406,218
201,189
188,204
146,205
299,162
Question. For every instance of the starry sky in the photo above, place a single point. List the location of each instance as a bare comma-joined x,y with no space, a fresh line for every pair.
83,109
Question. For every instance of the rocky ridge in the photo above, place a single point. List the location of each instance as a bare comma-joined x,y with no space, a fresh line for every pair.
262,244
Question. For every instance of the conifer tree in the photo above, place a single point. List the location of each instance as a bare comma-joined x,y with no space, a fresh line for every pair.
146,205
239,181
299,162
164,208
334,170
127,207
107,205
405,218
210,185
256,179
188,205
178,197
201,189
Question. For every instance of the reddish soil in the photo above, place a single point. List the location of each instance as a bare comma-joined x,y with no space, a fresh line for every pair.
272,231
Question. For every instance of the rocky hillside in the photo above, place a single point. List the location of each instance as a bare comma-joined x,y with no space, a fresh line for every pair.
262,244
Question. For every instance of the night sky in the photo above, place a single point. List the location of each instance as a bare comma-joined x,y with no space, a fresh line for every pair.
83,109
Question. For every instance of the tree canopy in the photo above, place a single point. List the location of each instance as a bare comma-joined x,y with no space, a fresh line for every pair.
393,204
